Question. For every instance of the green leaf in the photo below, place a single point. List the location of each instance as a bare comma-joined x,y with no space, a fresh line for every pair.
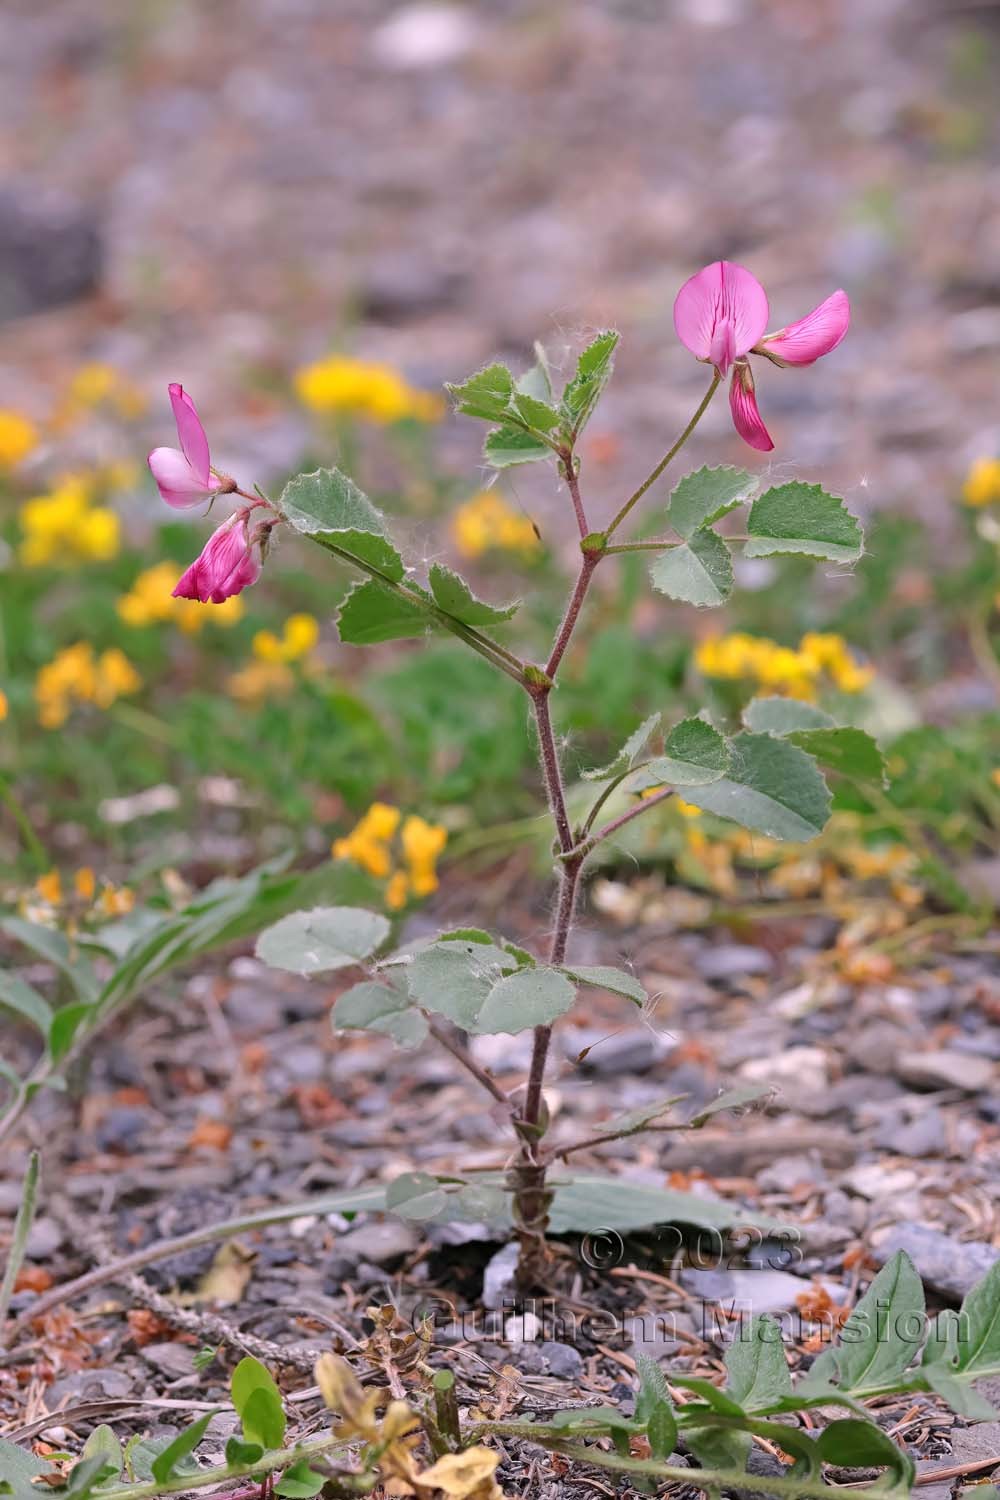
65,1024
141,1453
703,497
654,1409
102,1442
963,1399
240,1452
539,415
57,950
506,446
258,1403
803,518
756,1365
527,998
18,1469
375,1007
537,381
849,752
694,754
783,716
772,787
486,394
699,571
629,753
87,1476
455,978
979,1351
604,977
18,996
416,1195
330,507
581,1202
737,1098
300,1482
719,1401
876,1344
326,938
453,595
593,371
168,1462
638,1119
372,612
860,1445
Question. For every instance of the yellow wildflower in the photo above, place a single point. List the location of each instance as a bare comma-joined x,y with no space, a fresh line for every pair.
982,483
376,392
97,384
18,438
259,680
85,883
795,673
422,844
298,638
49,887
117,901
75,675
397,891
487,521
3,704
150,601
63,526
831,653
368,843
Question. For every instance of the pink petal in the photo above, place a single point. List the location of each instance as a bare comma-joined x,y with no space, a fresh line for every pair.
227,565
814,335
743,405
177,481
720,313
190,432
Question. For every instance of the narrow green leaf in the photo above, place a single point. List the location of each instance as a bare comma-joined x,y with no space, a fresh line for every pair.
653,1407
18,996
979,1325
506,446
326,938
772,787
57,950
704,496
22,1229
848,751
783,716
738,1098
694,754
375,1007
756,1365
605,977
960,1397
330,507
372,613
698,572
453,595
486,394
593,371
416,1195
168,1462
530,997
637,1120
803,518
629,753
64,1026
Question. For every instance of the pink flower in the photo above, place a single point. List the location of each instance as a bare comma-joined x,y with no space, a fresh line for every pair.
184,475
229,562
721,314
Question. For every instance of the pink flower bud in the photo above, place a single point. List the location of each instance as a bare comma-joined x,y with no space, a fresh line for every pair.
228,563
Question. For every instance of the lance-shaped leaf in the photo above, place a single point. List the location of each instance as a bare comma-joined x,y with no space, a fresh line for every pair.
738,1098
803,518
637,1120
453,595
694,754
783,716
506,446
851,1444
771,787
487,394
965,1346
704,496
653,1407
18,996
756,1365
375,1007
593,371
171,1460
416,1195
330,507
605,977
373,612
326,938
630,752
699,571
881,1337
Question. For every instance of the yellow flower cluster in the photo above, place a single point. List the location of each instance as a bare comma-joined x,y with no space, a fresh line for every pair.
369,845
982,483
821,659
114,901
18,438
3,704
374,391
65,527
486,522
97,384
150,601
298,639
76,675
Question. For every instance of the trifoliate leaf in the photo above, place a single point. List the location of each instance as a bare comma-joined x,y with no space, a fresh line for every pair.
771,787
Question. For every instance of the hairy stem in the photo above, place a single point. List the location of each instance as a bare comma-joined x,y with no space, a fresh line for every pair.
281,1458
670,454
460,1054
572,478
609,829
569,619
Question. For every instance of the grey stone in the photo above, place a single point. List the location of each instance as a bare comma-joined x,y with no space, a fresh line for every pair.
791,1172
756,1291
50,250
876,1047
922,1136
381,1241
733,961
949,1265
170,1359
498,1277
44,1239
947,1069
122,1128
562,1360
